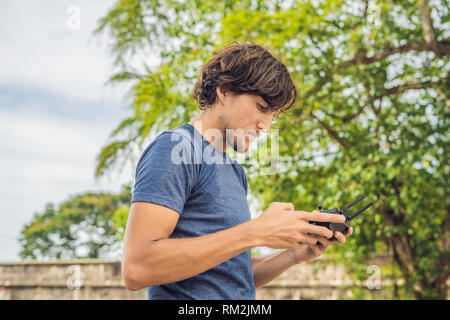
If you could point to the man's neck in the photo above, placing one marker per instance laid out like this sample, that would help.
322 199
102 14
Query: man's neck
206 120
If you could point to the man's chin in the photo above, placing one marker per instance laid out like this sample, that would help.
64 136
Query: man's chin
238 145
240 151
241 148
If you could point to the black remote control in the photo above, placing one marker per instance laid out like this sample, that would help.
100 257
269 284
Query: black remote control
341 227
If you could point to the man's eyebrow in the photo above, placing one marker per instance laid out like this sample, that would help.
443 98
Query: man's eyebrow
261 105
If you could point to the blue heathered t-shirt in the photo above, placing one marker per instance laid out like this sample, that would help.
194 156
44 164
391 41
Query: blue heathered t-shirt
181 170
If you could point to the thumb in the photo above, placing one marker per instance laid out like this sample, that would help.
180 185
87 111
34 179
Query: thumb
287 206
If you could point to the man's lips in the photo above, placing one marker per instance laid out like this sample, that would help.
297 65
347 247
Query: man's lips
251 137
253 134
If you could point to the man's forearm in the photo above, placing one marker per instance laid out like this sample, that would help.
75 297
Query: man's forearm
267 268
170 260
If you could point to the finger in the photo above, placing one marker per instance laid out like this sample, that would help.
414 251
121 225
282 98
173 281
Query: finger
317 250
324 242
309 240
319 230
288 206
340 237
322 247
321 216
349 232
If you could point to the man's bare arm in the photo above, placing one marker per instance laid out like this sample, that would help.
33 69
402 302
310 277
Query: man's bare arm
267 268
151 258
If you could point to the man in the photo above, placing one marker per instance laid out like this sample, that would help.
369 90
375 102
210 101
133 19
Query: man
189 232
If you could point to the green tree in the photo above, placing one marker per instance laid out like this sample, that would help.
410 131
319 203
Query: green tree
80 227
373 78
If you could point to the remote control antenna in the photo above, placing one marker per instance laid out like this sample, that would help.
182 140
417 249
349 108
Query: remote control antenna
350 217
353 203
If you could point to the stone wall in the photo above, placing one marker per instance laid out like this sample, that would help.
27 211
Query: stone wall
73 279
99 279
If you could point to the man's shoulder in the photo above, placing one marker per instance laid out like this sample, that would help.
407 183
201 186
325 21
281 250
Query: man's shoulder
183 133
177 143
180 135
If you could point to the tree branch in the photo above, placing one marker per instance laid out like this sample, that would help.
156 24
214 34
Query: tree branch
403 88
330 131
333 134
440 48
361 55
429 34
443 48
366 9
354 115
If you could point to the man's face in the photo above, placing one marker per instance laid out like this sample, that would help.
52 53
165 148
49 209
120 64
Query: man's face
243 119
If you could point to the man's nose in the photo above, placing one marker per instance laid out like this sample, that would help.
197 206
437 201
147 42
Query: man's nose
265 124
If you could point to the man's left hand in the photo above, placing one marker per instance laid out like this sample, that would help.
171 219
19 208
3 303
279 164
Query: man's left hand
308 252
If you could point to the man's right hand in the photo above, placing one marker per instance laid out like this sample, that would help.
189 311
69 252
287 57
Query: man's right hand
280 226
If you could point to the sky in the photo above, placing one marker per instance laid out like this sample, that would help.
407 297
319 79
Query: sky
56 111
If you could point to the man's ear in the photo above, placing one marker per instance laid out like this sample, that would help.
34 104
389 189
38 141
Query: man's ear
221 94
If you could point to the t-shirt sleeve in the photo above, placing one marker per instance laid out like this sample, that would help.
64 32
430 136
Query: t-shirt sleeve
243 177
165 173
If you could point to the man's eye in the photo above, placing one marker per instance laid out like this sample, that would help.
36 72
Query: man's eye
263 109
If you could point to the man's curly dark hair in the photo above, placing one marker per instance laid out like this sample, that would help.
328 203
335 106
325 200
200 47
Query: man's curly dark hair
245 68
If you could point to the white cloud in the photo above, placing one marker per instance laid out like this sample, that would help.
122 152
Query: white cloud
45 160
38 47
55 112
